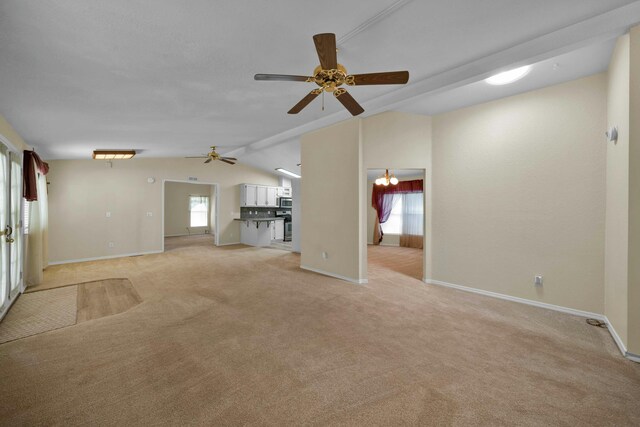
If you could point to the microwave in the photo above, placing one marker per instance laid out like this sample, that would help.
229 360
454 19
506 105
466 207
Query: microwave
285 202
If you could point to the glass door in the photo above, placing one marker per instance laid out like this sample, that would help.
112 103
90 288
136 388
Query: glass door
4 209
11 239
15 222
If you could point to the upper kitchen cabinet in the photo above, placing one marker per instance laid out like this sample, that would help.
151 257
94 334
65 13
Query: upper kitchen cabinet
252 195
248 195
284 191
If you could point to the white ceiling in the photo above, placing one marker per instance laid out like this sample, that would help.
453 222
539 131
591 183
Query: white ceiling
170 78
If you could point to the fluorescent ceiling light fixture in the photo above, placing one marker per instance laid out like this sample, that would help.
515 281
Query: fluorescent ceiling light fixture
113 154
286 172
510 76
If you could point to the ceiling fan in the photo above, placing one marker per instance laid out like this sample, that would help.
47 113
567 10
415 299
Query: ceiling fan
213 155
330 75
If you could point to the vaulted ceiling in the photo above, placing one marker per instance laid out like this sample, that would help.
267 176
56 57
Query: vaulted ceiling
170 78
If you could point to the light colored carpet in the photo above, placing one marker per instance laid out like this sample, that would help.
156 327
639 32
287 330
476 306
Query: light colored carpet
50 309
39 312
239 335
175 242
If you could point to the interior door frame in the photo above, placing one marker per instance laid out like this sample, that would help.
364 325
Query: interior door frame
21 285
216 212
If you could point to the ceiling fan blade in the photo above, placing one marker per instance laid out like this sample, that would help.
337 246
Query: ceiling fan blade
208 160
281 77
305 101
230 158
326 47
349 103
226 161
388 78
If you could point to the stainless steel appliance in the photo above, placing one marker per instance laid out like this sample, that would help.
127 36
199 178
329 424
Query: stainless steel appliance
286 202
286 215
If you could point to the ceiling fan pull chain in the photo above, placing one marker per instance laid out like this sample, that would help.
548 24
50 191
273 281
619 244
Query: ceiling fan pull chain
322 100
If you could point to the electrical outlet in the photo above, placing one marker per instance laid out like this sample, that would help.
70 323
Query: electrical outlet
538 280
111 244
325 255
108 214
149 213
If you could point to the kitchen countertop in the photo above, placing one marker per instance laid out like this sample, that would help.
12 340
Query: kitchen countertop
259 219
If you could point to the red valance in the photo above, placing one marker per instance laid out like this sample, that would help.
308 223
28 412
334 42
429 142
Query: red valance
415 186
30 163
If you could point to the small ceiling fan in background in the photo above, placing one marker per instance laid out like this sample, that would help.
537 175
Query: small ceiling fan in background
213 155
330 75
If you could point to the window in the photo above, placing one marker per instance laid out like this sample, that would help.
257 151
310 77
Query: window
199 211
406 215
25 215
393 225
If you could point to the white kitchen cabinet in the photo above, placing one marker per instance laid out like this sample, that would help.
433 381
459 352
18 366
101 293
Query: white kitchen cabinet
272 197
284 191
252 195
278 230
248 195
261 196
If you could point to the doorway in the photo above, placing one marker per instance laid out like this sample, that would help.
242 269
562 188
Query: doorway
189 214
11 232
396 226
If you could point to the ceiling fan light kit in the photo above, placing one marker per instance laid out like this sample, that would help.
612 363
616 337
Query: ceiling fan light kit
387 179
330 76
213 155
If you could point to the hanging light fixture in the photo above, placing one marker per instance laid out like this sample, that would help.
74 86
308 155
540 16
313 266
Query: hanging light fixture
387 179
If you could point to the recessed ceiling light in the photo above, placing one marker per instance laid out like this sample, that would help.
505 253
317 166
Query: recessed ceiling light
113 154
510 76
286 172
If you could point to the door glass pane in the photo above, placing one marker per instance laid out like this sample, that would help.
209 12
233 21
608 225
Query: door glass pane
16 223
4 190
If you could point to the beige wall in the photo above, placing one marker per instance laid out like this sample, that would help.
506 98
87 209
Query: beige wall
10 134
82 191
617 198
394 140
519 190
331 159
176 207
634 195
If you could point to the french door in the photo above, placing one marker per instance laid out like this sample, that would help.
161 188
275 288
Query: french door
11 236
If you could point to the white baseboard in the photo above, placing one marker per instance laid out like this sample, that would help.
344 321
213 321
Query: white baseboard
337 276
567 310
619 343
187 234
559 308
71 261
229 244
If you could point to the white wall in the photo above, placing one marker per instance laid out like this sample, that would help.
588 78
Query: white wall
296 214
177 217
617 192
634 194
395 140
82 191
519 190
331 158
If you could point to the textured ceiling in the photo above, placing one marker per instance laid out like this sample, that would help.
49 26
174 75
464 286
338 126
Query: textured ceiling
170 78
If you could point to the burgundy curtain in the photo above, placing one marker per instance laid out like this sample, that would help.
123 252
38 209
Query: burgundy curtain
382 200
31 163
